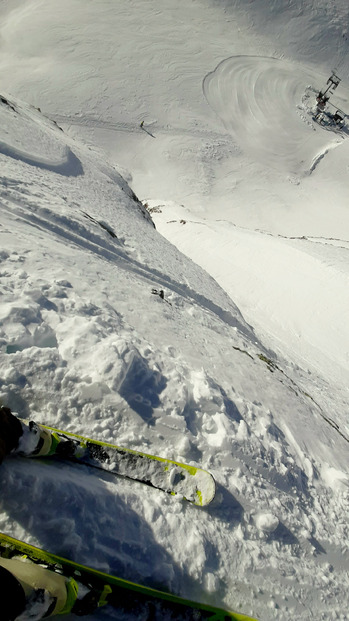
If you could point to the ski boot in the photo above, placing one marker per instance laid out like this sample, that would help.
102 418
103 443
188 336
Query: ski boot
37 441
28 590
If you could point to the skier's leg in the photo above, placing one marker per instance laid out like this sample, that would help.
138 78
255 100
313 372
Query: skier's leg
36 589
30 440
12 596
44 591
10 432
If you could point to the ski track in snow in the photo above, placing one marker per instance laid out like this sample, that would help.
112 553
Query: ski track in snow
144 381
85 345
259 101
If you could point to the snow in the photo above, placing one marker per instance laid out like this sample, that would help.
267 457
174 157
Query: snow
266 522
242 368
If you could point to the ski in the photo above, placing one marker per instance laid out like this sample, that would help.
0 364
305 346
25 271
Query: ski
193 484
133 600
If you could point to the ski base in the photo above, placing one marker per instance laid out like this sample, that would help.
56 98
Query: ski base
129 598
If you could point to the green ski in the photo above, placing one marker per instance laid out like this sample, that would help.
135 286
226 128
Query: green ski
131 599
194 484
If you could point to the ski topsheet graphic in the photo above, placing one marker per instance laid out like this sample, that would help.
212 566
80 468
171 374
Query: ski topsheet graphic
133 600
194 484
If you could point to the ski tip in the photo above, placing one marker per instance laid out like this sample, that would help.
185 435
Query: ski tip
206 489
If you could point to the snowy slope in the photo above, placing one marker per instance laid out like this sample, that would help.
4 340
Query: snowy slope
226 89
86 346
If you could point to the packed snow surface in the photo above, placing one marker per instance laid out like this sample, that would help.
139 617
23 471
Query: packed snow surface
241 367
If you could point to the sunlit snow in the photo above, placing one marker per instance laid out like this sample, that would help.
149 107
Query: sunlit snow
242 367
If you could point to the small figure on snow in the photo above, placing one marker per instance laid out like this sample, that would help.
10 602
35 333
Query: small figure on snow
146 130
160 293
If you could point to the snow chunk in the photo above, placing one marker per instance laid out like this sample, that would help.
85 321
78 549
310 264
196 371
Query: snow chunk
267 522
243 431
211 582
336 479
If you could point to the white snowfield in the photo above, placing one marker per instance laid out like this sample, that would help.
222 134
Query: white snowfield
243 367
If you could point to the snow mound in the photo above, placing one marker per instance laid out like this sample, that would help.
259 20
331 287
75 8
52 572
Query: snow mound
266 522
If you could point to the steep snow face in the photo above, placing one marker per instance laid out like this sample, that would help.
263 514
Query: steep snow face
85 343
87 346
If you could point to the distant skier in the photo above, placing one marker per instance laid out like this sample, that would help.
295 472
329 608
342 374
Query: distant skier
146 130
160 293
